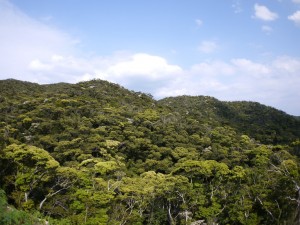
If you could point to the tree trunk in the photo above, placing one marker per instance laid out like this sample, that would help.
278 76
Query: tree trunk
86 214
42 203
171 220
26 196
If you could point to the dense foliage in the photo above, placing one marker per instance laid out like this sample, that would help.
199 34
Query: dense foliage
96 153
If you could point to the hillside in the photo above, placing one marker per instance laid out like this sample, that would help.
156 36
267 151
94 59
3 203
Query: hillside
266 124
97 153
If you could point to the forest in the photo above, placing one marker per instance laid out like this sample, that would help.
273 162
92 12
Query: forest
97 153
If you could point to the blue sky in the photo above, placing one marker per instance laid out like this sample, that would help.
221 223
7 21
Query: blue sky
229 49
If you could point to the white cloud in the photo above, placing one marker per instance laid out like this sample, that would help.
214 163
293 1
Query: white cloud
212 68
140 70
47 18
143 65
59 68
199 22
208 47
287 65
296 1
263 13
274 84
250 68
295 17
40 53
267 29
39 66
134 71
237 6
24 40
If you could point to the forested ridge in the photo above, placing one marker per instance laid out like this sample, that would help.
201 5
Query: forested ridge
97 153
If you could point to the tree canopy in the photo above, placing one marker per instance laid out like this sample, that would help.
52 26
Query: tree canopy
96 153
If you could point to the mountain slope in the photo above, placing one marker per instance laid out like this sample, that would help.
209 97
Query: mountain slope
261 122
97 89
